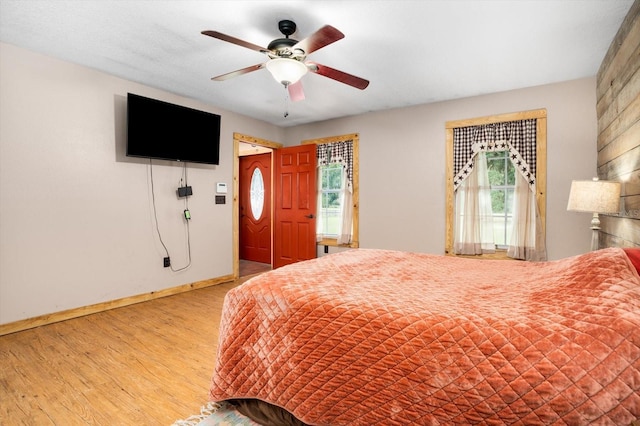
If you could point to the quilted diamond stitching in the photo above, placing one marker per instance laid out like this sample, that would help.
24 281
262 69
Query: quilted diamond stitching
380 356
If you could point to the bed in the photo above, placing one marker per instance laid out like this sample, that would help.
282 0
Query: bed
379 337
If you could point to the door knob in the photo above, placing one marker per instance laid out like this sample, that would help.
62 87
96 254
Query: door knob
309 216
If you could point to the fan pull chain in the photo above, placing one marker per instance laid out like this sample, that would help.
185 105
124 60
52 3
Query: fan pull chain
286 101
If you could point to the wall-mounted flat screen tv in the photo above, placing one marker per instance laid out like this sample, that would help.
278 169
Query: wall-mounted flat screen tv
165 131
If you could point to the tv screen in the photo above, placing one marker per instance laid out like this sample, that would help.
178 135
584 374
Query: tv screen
161 130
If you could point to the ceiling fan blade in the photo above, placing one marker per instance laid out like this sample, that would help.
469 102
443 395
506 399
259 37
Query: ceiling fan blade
230 39
341 76
321 38
238 72
296 93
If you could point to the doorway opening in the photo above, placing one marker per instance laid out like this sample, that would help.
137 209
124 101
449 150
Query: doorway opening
252 205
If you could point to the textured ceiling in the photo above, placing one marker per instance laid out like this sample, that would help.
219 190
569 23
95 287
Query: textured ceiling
412 52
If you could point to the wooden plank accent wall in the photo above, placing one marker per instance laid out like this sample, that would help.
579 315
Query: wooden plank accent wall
618 108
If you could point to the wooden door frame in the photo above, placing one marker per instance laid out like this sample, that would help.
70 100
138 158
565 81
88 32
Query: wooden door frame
237 139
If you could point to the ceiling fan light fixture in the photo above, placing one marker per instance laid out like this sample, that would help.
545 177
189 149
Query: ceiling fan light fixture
286 71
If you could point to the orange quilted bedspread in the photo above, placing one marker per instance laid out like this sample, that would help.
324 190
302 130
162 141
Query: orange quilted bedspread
374 337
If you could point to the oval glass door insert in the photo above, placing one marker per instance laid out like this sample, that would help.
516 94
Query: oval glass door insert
257 193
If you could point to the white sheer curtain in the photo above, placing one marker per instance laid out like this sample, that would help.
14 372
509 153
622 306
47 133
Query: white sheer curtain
527 239
474 217
319 210
346 197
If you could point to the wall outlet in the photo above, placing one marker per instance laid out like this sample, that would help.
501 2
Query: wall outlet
167 262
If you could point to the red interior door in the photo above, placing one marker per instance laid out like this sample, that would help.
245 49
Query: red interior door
255 217
295 205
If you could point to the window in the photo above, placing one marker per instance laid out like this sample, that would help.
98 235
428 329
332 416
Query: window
256 194
502 180
338 192
496 186
331 186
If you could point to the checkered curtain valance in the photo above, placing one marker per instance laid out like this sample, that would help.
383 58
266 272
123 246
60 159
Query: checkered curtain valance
337 152
518 137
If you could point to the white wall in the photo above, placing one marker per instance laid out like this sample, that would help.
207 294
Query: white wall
402 164
76 225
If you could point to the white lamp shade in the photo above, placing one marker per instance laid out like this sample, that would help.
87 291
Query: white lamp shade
594 196
286 70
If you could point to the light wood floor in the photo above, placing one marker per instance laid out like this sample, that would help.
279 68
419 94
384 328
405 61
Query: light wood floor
247 267
144 364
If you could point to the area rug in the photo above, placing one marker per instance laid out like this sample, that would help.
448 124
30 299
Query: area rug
216 414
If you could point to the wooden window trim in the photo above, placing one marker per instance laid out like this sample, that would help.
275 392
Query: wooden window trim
541 170
355 240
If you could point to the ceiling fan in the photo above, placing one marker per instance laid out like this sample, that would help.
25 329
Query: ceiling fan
287 58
